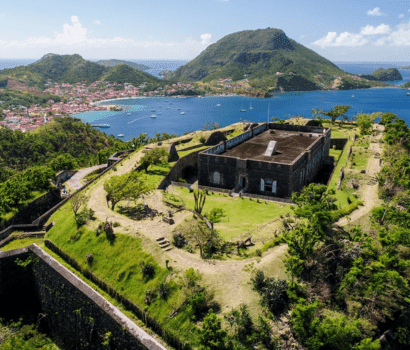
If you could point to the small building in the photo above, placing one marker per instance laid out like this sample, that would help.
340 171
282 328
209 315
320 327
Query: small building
270 159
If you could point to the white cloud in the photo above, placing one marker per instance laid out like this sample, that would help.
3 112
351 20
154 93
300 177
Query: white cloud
74 38
343 39
375 12
97 21
401 15
399 37
206 39
380 29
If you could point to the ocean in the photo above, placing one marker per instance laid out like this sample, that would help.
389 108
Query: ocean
136 116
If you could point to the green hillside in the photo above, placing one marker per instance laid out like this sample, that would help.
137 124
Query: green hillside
125 74
71 69
258 54
113 63
390 74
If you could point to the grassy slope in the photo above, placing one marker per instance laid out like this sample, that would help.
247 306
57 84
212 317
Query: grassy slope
119 265
239 212
113 63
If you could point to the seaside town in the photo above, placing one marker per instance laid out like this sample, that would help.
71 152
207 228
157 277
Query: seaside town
79 98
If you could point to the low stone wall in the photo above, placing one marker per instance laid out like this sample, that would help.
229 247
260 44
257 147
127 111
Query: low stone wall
338 142
74 315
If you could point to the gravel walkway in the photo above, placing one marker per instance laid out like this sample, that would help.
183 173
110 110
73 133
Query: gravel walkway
75 183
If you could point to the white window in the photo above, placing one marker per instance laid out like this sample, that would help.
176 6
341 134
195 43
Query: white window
270 186
217 178
262 185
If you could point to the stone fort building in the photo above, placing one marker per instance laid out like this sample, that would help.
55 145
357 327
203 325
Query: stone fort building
270 160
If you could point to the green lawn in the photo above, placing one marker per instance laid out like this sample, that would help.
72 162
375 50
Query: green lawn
119 264
341 131
184 153
241 214
23 242
156 173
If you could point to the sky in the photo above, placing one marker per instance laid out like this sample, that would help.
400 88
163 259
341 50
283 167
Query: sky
347 30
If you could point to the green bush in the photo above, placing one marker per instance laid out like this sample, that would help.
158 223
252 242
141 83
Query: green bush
148 270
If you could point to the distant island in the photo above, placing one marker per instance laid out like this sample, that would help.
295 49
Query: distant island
405 67
113 63
390 74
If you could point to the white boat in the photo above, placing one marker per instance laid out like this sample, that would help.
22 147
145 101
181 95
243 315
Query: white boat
352 95
128 113
243 110
170 103
250 107
218 104
153 116
178 109
120 135
159 106
182 112
159 113
167 107
153 110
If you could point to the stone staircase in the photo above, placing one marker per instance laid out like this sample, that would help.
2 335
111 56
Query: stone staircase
39 234
164 244
372 181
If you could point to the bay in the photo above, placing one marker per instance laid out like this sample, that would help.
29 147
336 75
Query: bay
226 110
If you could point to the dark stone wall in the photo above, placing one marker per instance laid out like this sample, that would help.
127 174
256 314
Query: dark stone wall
288 176
76 316
34 209
338 142
215 138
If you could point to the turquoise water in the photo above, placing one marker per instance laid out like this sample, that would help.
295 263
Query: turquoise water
199 111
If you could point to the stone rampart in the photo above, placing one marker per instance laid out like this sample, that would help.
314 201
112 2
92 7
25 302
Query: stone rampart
74 315
338 142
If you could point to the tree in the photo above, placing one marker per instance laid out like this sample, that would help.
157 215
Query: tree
337 112
212 336
77 201
154 156
365 122
216 125
122 187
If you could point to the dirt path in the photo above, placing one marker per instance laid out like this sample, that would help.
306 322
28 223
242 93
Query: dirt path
369 193
229 279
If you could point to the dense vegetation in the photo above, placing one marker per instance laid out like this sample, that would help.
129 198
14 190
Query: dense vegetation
123 73
113 62
71 69
16 336
29 160
15 98
389 74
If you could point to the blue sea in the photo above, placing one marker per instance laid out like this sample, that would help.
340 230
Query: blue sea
226 110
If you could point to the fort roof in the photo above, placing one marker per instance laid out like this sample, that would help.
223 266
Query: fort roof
289 145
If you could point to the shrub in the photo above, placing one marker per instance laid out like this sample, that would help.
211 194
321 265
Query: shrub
89 258
198 304
178 240
216 214
116 224
258 252
163 290
202 139
149 296
258 280
274 295
212 336
147 269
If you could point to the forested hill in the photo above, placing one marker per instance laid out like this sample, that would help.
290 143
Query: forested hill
113 63
256 53
125 74
63 68
64 136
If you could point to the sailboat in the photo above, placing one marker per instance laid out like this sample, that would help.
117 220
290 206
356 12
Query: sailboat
250 106
153 116
120 135
243 110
